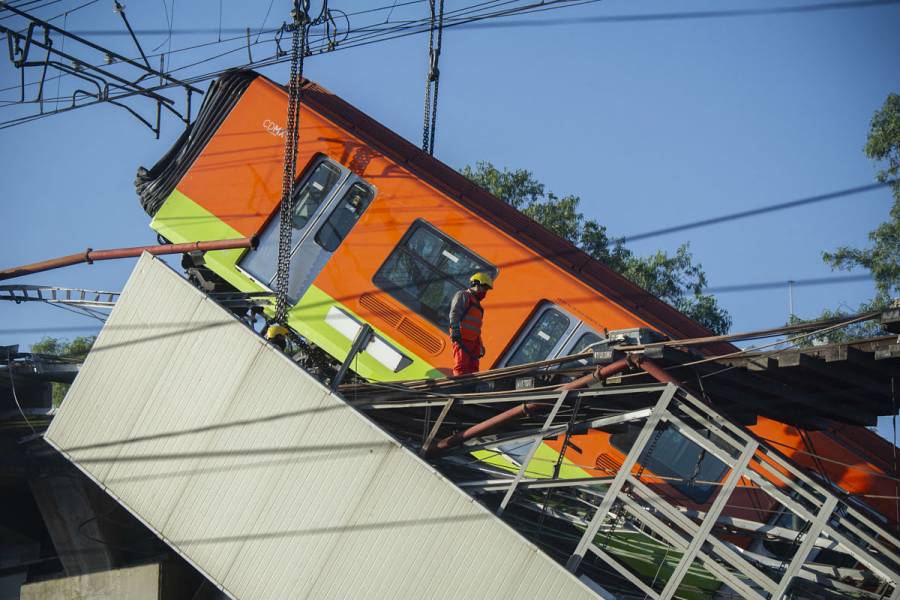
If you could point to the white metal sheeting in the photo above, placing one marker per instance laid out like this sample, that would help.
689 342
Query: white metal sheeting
269 484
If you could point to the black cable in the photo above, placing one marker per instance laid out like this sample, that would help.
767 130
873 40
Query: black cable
97 517
769 285
22 5
462 15
266 18
12 383
387 19
171 26
758 211
634 18
694 15
266 62
169 23
387 35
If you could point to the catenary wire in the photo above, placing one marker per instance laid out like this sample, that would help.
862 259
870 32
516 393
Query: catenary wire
517 10
467 12
759 211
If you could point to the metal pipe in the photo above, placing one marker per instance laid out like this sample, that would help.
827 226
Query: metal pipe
90 256
655 371
528 408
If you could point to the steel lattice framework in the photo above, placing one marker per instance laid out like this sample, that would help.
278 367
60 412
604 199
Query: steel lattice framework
625 503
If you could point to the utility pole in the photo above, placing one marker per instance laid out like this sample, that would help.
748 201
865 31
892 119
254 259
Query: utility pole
790 298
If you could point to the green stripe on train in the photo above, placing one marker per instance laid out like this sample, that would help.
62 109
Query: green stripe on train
541 466
181 220
308 318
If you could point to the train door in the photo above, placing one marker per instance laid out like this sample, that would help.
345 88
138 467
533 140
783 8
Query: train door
551 332
327 204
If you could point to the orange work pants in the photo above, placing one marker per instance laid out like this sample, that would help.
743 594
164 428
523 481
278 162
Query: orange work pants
465 357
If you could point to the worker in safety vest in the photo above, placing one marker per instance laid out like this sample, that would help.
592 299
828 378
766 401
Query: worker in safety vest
466 315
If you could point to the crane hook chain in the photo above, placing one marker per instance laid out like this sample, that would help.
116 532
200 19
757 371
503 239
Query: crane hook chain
298 51
432 81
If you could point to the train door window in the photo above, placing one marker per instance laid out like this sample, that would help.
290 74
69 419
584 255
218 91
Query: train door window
337 218
586 339
313 193
309 197
689 469
547 330
344 216
426 269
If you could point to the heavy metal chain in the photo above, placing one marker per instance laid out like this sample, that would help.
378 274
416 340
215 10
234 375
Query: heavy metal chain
570 429
298 51
433 80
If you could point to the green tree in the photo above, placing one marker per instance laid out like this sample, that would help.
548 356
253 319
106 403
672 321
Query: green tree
882 257
674 279
75 349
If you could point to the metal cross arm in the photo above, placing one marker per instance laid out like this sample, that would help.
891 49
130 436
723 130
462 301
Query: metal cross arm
22 61
120 58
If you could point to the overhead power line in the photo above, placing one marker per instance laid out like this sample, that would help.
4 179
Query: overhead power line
327 43
757 211
772 285
23 51
477 14
627 18
687 15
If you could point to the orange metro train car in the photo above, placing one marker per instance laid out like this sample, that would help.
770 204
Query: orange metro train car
384 234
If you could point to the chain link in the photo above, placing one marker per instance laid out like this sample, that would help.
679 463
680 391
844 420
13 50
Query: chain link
426 121
429 118
291 136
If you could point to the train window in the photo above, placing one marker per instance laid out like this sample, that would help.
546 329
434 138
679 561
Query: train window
426 269
588 339
344 216
675 456
543 336
311 195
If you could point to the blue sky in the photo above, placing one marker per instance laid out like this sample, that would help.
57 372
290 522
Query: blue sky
652 122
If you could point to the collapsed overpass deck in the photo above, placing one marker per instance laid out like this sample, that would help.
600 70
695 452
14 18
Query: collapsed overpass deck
269 484
274 487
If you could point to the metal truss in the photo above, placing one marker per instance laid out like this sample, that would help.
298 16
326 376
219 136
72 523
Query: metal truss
633 502
92 65
90 303
58 295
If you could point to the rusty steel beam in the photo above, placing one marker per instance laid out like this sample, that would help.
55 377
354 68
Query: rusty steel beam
90 256
533 408
527 408
657 372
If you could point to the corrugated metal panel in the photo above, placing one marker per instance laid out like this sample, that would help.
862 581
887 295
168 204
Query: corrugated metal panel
271 485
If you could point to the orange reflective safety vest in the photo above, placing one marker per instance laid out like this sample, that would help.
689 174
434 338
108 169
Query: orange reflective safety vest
470 323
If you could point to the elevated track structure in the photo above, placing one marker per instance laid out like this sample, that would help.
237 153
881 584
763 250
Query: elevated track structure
271 484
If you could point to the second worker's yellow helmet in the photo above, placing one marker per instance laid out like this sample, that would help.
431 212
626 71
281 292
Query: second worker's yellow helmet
484 279
275 330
